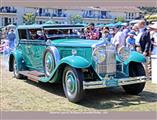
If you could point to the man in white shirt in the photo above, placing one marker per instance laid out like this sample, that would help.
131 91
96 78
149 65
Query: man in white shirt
119 39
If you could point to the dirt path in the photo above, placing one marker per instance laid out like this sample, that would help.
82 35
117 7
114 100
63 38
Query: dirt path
24 95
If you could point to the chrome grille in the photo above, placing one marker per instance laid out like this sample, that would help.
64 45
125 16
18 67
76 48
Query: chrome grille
109 65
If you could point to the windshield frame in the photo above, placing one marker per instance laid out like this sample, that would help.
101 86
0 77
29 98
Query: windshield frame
80 28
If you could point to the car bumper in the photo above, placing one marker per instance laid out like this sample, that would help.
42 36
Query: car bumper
114 82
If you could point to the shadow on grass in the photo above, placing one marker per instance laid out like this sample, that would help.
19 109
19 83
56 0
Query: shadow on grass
116 98
107 98
55 88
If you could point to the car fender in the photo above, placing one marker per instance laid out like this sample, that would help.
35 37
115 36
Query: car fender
75 61
17 55
135 57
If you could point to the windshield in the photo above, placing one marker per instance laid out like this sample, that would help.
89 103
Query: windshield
62 33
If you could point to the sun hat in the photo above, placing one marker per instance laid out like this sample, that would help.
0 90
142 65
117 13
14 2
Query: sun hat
132 33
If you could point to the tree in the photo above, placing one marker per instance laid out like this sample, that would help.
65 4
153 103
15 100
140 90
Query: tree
148 10
120 19
29 18
75 19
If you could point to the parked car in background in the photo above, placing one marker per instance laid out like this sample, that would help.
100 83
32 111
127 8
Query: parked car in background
58 53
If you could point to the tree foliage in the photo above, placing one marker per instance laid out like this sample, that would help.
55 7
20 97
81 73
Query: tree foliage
120 19
29 18
148 10
75 19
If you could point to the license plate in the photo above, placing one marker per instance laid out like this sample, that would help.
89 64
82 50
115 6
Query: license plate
111 83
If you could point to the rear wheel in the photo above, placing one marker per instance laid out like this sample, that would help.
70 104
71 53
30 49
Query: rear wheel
135 69
15 70
73 84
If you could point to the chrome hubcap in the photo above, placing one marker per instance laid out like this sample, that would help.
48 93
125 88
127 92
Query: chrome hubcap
71 83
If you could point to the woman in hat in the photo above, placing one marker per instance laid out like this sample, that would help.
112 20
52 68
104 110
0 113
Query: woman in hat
154 38
130 40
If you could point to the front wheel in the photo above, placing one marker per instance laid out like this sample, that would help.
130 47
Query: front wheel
73 84
135 69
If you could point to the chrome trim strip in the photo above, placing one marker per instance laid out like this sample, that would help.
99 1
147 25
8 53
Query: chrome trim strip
127 81
123 81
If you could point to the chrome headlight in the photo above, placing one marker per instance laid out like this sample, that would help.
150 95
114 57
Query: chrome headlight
123 53
99 54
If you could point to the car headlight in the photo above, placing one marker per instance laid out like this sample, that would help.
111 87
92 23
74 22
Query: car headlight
99 54
123 53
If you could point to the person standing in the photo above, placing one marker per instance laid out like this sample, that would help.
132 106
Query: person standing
92 33
119 39
106 36
126 29
154 38
143 38
137 44
11 37
130 40
135 28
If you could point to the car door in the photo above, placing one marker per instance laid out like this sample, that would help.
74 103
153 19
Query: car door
24 46
37 48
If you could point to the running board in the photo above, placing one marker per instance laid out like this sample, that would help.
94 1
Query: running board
32 75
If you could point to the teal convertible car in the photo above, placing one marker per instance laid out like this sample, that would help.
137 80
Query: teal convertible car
59 53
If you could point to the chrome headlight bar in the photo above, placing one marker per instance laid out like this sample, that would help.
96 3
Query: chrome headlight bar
123 53
99 54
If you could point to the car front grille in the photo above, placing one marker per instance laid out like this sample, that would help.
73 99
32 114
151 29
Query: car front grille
109 65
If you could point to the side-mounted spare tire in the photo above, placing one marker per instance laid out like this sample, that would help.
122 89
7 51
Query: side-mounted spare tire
135 69
50 60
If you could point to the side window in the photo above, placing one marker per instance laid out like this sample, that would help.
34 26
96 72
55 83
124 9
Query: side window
35 34
22 34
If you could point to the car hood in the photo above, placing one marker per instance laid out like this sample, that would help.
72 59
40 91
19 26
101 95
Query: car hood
74 42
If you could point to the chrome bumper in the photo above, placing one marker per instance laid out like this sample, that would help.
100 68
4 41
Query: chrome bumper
114 82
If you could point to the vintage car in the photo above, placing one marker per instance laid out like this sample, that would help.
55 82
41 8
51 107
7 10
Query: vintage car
59 53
